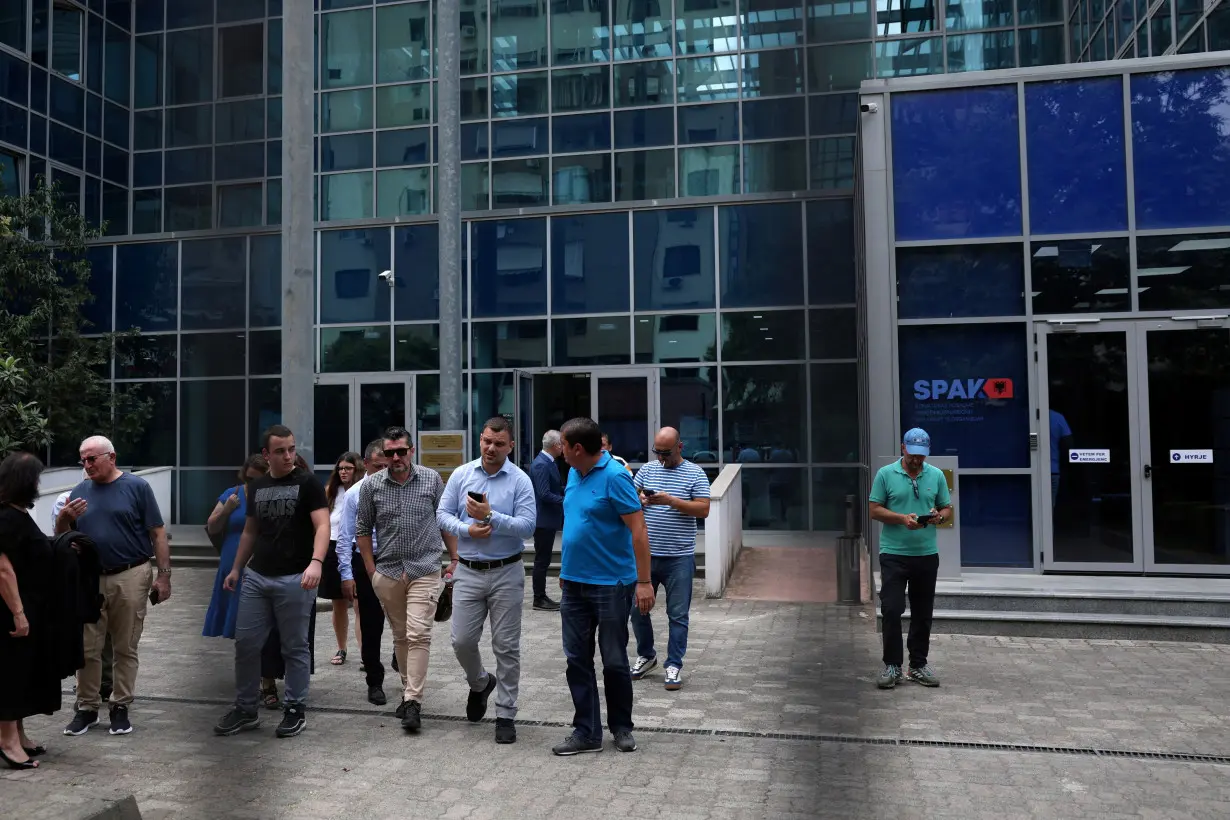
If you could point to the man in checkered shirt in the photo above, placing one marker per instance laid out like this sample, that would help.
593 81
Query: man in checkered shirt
400 503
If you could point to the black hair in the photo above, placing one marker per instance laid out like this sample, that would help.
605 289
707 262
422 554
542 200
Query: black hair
374 446
498 424
585 432
394 433
276 430
19 474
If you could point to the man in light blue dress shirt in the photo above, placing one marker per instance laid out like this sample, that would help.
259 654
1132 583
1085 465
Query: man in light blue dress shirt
490 578
358 585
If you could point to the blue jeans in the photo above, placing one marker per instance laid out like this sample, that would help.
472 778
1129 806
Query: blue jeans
675 573
264 603
586 609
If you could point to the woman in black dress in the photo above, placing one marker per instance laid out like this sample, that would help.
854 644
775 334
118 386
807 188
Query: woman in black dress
28 684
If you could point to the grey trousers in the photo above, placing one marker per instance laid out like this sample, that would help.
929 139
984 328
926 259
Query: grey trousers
266 602
499 593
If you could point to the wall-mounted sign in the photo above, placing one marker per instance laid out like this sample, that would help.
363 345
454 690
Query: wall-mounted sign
1191 456
443 452
1089 456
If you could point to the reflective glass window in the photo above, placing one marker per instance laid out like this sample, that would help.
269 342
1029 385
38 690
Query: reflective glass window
115 163
1077 161
66 145
589 263
68 106
189 165
475 186
944 371
966 15
673 260
190 125
518 34
580 89
97 312
642 30
1179 124
771 23
837 20
675 337
403 51
518 137
833 333
146 286
149 15
1042 46
581 178
644 175
146 130
838 68
148 356
409 146
763 335
352 110
241 206
350 264
474 96
188 208
265 281
14 78
13 125
185 13
1081 276
345 153
773 73
687 399
67 32
707 27
1185 272
761 254
273 202
273 157
509 344
116 55
834 413
832 114
473 37
830 486
643 83
354 349
765 410
190 66
516 95
709 170
13 25
832 164
403 192
956 164
241 60
231 11
777 498
416 283
709 123
475 140
580 31
146 211
398 105
240 121
774 166
246 161
213 354
910 58
976 280
520 183
273 84
346 49
93 115
703 79
997 513
982 52
906 16
1043 11
509 269
644 127
157 437
582 132
416 347
264 407
591 341
95 55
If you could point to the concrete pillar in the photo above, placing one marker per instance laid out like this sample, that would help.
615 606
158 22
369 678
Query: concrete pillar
448 207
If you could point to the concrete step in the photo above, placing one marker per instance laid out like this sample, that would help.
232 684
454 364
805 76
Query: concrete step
1052 624
1108 603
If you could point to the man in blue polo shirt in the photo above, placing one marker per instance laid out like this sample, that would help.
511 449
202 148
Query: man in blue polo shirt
910 498
605 567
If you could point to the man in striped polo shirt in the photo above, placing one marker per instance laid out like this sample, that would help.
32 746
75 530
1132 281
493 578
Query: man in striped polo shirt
674 493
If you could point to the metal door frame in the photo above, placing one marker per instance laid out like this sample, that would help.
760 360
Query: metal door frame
653 411
354 381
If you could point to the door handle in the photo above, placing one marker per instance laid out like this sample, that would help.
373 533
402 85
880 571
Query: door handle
1148 471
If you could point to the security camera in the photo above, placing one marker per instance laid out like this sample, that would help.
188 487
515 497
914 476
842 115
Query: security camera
869 107
387 276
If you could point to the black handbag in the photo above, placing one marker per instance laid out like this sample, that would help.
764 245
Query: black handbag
217 539
444 607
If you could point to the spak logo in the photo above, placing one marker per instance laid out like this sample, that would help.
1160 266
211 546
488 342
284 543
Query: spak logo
962 389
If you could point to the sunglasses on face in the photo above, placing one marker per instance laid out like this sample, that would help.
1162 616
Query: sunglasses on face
89 460
664 453
396 451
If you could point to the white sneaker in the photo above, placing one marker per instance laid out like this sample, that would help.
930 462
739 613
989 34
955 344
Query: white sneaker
674 678
643 666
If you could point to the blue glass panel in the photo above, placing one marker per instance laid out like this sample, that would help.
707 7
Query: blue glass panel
1179 124
98 311
14 79
190 208
509 269
230 11
273 158
190 66
949 372
149 15
115 125
115 165
38 136
68 103
214 278
147 169
956 164
416 291
93 115
761 254
93 156
644 127
92 202
410 146
94 54
584 132
244 161
67 146
474 142
38 90
13 126
833 114
346 153
265 282
709 123
830 252
116 85
968 280
146 130
769 119
589 263
146 287
115 209
120 12
996 521
189 165
185 13
520 138
673 252
146 211
350 264
1077 166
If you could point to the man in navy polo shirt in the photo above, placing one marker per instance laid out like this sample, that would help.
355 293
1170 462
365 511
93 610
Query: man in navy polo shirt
605 569
910 498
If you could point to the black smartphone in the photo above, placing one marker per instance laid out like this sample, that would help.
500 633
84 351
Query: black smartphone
153 597
476 496
648 491
929 519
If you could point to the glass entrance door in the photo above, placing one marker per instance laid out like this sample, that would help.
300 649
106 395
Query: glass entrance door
353 409
625 405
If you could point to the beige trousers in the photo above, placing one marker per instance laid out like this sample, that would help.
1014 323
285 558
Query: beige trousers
125 598
410 606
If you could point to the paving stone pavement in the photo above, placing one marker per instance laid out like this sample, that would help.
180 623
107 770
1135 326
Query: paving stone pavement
768 685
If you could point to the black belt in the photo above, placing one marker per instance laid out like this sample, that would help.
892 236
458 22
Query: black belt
125 567
483 565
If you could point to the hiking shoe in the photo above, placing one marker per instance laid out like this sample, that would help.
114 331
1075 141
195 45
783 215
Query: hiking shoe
293 722
924 675
545 604
643 666
625 742
476 702
81 722
236 721
505 730
890 677
376 696
412 717
574 745
120 724
674 678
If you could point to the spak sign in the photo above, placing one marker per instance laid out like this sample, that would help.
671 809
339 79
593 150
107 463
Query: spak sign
994 389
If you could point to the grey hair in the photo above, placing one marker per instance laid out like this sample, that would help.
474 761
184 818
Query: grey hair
550 439
98 441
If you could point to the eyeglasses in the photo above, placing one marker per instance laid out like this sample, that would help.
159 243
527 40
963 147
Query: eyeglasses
396 451
664 453
89 460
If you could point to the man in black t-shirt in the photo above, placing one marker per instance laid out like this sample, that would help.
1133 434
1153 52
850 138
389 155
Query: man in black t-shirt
286 535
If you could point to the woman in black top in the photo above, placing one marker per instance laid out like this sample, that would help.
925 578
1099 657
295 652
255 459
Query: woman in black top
28 684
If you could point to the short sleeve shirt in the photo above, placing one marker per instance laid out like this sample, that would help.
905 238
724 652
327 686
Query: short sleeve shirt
597 545
118 518
894 488
671 533
283 510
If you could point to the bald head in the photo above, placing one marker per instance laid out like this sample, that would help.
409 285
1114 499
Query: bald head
667 447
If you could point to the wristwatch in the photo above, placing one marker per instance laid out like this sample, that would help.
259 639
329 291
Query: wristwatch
487 521
162 571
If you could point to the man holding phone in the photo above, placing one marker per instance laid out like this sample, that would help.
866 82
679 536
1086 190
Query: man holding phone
910 498
489 506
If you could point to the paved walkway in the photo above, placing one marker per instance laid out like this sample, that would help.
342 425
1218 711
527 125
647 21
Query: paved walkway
779 718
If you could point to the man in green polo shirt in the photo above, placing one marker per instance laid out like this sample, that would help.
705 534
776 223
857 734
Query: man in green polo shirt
909 497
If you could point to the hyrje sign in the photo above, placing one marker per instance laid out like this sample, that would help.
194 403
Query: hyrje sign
1191 456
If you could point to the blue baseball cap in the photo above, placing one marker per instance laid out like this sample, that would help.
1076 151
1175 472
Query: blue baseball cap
917 442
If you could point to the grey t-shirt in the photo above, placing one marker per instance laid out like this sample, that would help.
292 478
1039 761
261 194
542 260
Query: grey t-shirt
118 519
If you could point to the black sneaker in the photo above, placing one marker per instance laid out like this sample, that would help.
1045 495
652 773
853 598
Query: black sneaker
574 745
81 722
625 742
104 694
642 666
400 711
505 730
293 722
120 725
375 696
476 703
236 721
412 717
545 604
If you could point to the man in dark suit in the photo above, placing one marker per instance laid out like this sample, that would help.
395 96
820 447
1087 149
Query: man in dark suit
549 495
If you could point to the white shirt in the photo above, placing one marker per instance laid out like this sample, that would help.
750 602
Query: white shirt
335 514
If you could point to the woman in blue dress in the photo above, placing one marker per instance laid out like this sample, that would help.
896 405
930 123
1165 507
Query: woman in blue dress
228 517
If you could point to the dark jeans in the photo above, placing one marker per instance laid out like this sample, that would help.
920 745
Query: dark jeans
273 666
675 573
371 623
917 572
544 543
586 610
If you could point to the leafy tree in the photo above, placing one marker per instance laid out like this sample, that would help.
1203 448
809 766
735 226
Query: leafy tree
54 387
